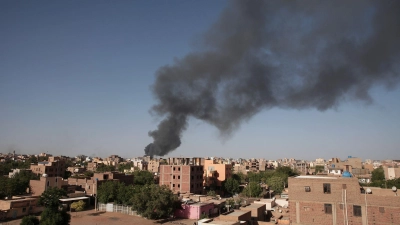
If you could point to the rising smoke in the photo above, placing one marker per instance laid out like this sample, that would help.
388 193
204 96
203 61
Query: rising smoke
287 54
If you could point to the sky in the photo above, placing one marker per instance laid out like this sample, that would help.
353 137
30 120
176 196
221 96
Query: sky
76 78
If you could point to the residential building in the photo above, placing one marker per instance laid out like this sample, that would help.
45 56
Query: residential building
340 200
54 167
19 206
215 173
37 187
182 178
391 172
194 210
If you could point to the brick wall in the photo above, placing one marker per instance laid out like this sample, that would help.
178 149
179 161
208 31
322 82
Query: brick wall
182 178
308 207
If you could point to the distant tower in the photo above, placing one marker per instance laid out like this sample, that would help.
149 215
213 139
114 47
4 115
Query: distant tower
14 155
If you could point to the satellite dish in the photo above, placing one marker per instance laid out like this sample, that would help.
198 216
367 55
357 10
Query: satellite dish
369 191
394 188
44 175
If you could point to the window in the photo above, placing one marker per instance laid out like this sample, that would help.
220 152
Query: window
23 209
174 177
191 186
179 177
307 188
179 169
328 208
174 168
341 206
173 185
327 188
179 185
344 186
191 177
381 209
356 210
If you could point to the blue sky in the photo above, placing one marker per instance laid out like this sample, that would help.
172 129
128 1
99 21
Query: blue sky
75 78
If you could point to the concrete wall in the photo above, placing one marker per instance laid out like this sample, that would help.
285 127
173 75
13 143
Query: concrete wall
380 207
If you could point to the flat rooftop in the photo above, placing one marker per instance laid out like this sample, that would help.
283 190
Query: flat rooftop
316 177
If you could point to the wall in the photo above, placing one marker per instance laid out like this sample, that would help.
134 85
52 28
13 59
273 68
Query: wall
308 207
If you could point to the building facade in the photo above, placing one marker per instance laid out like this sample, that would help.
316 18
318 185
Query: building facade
182 178
340 200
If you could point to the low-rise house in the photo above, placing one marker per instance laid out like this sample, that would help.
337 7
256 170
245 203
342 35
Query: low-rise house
235 215
37 187
192 210
217 222
257 211
19 206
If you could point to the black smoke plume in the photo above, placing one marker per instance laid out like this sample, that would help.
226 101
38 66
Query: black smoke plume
287 54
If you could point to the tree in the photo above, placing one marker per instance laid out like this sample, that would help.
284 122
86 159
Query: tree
319 168
240 177
211 193
50 197
53 212
30 220
230 203
378 174
143 177
50 217
276 183
253 189
78 206
231 185
154 201
107 191
125 166
286 170
88 173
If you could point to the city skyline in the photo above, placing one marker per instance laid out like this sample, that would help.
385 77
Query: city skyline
76 78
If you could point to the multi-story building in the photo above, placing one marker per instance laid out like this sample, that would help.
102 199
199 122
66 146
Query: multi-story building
391 172
182 178
215 174
55 167
340 200
37 187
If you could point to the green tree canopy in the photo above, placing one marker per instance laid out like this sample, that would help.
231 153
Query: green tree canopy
154 201
50 198
53 212
378 174
319 168
51 216
231 185
253 189
78 206
276 183
107 191
29 220
211 193
286 170
143 177
125 166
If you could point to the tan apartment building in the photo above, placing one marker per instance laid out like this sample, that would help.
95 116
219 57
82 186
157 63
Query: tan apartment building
55 167
37 187
391 172
182 178
340 200
19 206
215 174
